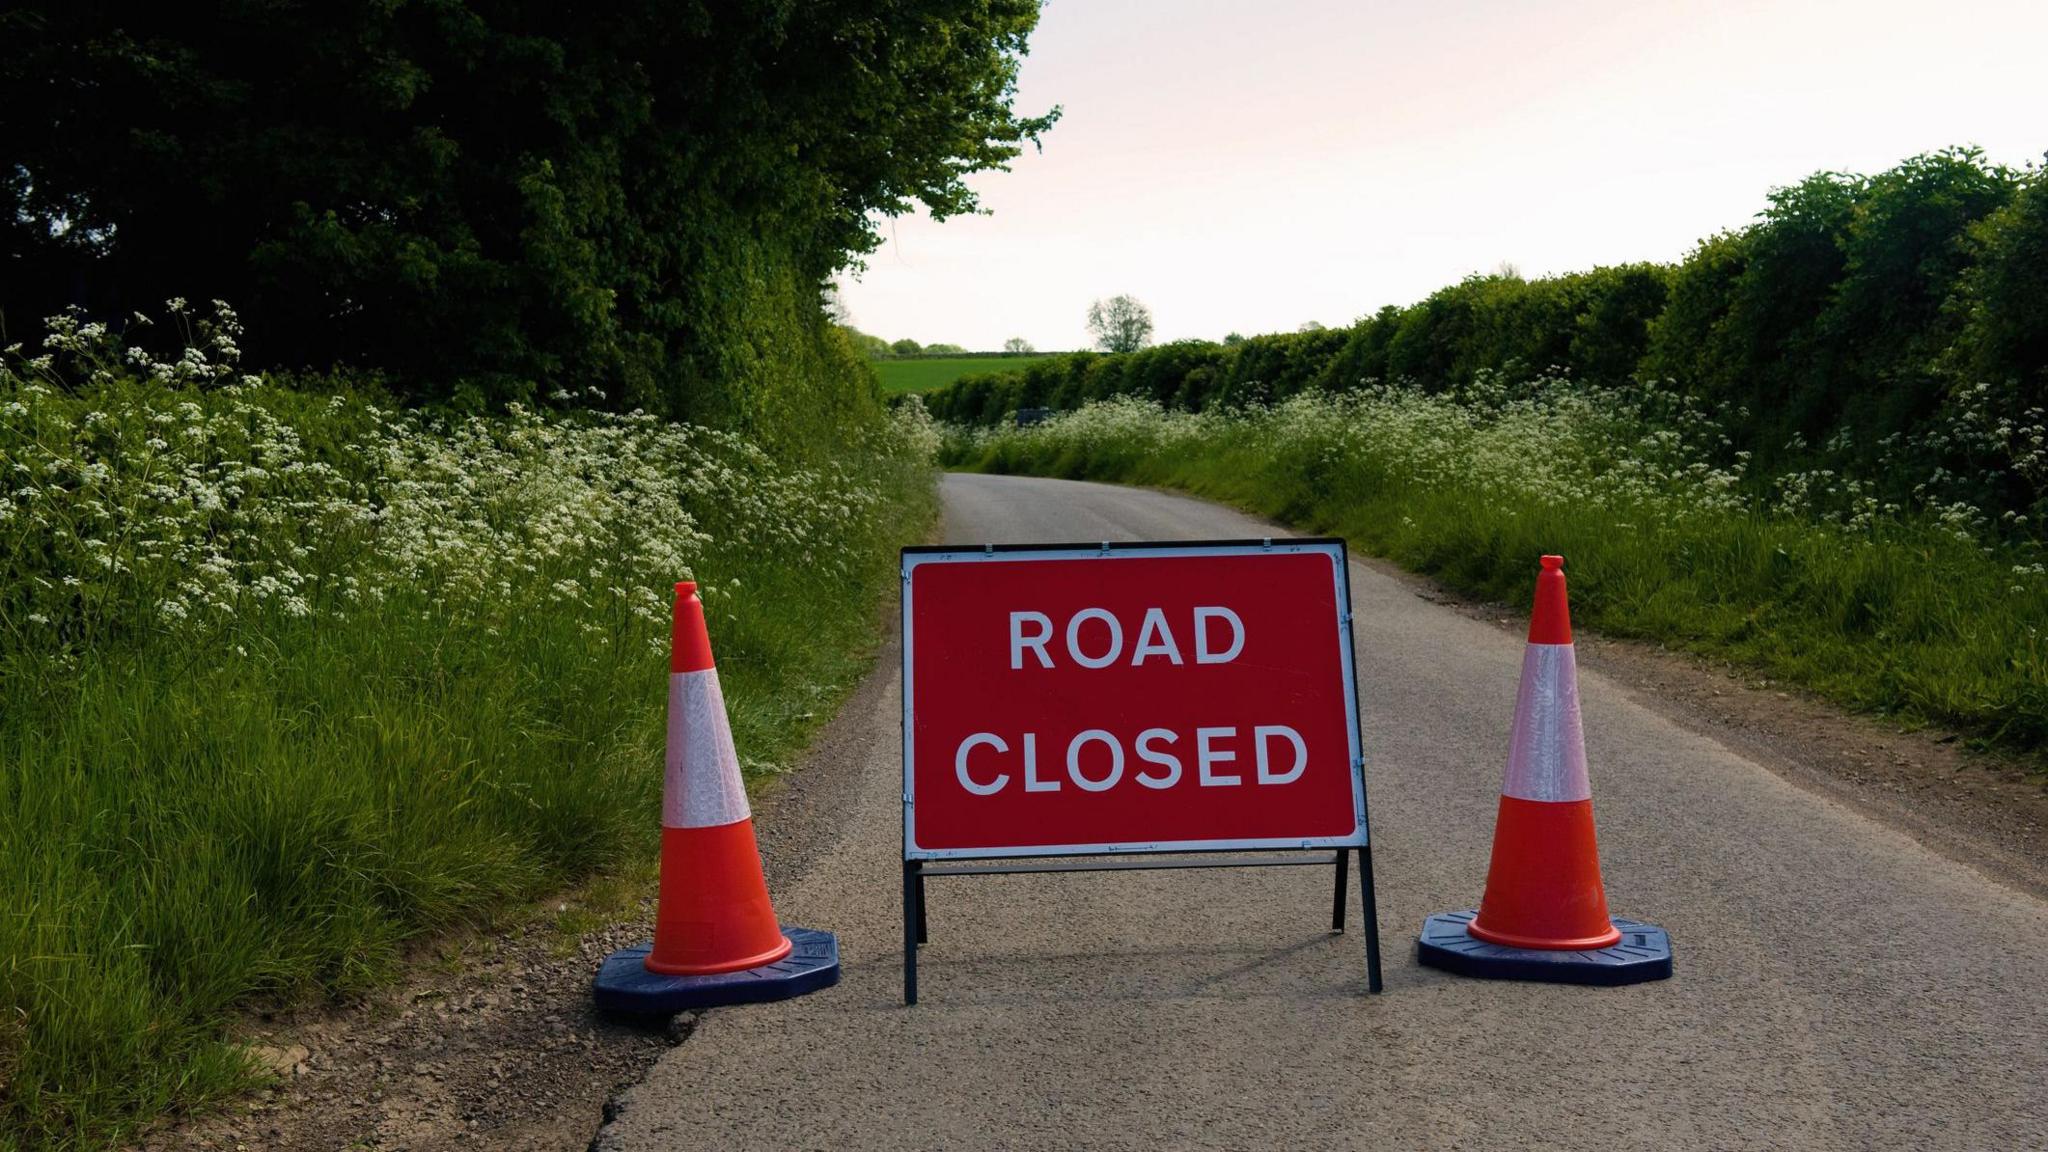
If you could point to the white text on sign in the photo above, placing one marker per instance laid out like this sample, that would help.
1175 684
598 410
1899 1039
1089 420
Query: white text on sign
1033 632
1094 638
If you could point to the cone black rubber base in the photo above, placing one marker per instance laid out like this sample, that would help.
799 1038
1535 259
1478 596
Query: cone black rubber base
625 987
1642 953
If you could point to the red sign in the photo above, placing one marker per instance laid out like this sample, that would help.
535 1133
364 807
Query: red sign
1095 699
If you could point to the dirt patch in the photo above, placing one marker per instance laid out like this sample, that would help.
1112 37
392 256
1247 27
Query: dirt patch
494 1043
498 1049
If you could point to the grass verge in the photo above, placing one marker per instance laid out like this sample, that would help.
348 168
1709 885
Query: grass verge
1915 616
290 682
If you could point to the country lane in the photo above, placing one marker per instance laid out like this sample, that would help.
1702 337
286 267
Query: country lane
1837 986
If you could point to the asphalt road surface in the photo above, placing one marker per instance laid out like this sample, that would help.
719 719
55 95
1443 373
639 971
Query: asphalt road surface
1838 986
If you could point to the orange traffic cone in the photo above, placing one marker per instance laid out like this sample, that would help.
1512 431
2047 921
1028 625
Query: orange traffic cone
1543 889
714 914
1544 915
716 939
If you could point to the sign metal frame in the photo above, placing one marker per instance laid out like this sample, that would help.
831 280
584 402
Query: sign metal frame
920 863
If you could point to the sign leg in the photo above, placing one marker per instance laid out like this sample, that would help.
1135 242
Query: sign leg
1337 901
1372 920
913 926
923 922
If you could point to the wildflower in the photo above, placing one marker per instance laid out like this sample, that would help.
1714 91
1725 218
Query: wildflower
211 507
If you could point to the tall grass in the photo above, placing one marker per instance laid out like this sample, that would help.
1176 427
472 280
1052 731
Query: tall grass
1913 612
288 680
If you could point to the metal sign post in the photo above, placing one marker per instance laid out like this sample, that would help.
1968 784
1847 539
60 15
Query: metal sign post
1130 700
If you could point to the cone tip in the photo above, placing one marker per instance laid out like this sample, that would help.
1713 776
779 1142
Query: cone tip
1551 620
689 645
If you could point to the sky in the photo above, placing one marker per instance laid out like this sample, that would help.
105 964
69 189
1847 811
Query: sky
1253 166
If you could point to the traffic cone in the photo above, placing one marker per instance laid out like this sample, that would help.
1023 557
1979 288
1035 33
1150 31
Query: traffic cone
1544 914
716 939
1543 889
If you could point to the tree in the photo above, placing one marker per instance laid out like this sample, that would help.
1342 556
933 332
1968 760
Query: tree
906 347
943 349
1234 339
1120 324
865 344
1017 345
1312 326
2004 299
475 196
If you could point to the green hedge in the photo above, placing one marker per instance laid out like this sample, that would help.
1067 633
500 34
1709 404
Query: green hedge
1906 614
472 199
1594 325
1852 325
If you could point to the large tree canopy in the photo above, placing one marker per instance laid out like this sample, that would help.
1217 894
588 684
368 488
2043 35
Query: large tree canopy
478 194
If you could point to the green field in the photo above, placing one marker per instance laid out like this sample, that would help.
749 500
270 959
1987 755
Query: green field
922 374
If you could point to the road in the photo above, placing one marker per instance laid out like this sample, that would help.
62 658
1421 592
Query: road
1838 985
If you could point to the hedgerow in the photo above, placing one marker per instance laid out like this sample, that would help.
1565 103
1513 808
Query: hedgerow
1920 612
475 199
1854 326
293 676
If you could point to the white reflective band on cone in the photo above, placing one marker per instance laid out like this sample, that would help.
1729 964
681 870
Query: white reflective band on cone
702 788
1547 753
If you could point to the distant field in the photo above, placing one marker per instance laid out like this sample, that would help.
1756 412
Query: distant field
923 375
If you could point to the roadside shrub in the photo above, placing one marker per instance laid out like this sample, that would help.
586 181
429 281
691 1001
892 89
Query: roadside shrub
1916 611
1851 328
2003 299
292 678
474 198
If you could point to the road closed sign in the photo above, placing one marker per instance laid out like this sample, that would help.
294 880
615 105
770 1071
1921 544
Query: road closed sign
1065 700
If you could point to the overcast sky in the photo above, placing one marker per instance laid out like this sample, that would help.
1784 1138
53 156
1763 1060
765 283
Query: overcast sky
1250 166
